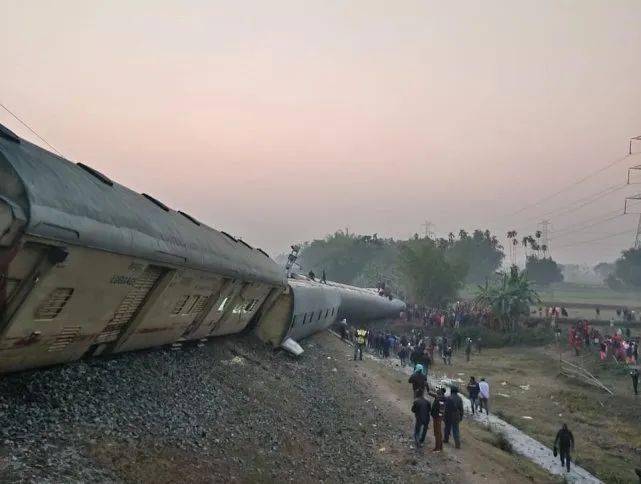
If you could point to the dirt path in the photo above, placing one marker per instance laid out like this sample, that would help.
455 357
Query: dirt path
478 461
521 442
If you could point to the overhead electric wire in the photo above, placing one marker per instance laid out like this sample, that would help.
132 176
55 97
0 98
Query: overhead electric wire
573 230
566 187
583 202
30 129
582 242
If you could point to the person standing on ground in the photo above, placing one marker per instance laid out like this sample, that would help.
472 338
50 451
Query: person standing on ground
479 344
564 442
453 416
437 412
484 396
418 380
634 373
361 335
473 393
468 349
421 409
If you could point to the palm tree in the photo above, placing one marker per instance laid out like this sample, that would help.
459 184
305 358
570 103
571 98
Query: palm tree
509 299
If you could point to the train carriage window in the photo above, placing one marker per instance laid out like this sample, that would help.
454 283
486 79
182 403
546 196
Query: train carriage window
180 304
238 308
200 304
332 311
320 314
54 303
304 318
251 305
223 303
326 313
294 320
190 307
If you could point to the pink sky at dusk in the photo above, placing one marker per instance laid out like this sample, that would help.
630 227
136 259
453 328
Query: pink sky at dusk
283 121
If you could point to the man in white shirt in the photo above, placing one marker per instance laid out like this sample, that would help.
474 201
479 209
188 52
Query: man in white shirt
484 395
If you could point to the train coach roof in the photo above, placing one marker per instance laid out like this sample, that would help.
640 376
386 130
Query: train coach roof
77 205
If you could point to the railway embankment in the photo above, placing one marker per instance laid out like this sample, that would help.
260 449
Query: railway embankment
231 410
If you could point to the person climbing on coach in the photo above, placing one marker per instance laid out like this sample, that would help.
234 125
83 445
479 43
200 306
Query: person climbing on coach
418 380
564 442
361 335
421 409
453 416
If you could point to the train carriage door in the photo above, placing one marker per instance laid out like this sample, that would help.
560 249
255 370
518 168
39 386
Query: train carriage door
31 263
129 306
224 304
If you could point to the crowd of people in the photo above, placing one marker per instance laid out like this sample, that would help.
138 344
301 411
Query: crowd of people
459 314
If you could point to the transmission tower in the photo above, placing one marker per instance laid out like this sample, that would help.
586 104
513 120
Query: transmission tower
428 229
637 236
636 138
544 227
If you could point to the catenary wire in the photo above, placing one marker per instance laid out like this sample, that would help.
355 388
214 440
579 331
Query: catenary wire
30 129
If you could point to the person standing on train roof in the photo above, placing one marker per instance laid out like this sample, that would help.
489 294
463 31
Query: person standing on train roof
323 277
359 343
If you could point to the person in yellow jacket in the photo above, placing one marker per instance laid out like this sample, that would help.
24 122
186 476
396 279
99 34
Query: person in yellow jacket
359 343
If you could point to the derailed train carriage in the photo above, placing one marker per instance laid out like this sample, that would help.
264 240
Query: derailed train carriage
90 267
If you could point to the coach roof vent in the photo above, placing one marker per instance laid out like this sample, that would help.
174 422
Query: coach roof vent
231 237
156 202
8 134
97 174
189 217
245 244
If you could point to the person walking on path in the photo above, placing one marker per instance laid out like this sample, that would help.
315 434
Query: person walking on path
634 373
453 416
564 442
418 380
484 396
437 412
361 335
421 409
473 393
468 349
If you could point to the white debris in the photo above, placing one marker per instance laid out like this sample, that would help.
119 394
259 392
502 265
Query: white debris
503 395
524 387
236 360
526 417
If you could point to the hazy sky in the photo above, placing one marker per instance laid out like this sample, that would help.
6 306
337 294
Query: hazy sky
281 121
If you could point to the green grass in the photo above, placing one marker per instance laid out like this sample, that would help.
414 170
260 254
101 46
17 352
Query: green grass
571 293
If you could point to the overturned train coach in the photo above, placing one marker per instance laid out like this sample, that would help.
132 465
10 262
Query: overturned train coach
90 267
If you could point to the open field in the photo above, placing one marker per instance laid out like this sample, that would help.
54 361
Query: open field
527 391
